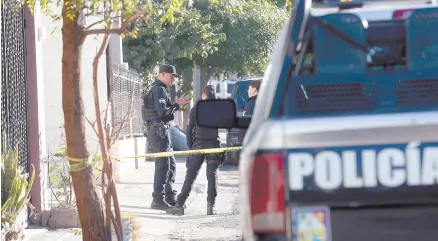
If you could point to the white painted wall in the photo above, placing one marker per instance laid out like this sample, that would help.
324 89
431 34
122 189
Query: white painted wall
52 67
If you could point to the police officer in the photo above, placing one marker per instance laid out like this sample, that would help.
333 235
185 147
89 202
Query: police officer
158 111
253 91
200 138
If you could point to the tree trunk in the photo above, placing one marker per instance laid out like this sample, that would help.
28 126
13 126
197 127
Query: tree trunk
185 120
88 202
203 78
206 74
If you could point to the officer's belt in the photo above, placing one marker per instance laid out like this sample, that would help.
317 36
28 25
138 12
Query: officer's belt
156 123
204 139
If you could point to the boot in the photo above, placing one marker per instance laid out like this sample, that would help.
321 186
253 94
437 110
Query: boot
210 209
160 204
170 198
178 210
171 201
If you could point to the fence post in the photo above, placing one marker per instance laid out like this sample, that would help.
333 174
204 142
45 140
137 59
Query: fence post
136 152
131 135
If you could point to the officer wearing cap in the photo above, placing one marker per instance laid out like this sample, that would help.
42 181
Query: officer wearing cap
159 110
200 138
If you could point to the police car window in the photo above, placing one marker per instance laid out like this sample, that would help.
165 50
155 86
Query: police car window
385 46
344 79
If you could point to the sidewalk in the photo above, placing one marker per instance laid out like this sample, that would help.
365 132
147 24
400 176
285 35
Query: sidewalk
135 197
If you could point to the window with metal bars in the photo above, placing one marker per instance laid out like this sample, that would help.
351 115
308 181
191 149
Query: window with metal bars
14 119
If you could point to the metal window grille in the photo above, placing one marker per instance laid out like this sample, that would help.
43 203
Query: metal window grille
126 95
14 121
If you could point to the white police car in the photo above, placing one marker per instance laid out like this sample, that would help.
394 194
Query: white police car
343 143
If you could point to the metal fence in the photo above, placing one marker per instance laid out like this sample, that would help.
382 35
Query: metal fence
14 124
126 96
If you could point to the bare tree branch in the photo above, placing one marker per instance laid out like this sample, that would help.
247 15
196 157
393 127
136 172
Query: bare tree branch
92 125
101 21
110 194
122 29
111 91
107 197
116 226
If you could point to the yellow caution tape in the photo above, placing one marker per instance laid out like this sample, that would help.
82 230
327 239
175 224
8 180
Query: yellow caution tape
79 166
80 163
188 152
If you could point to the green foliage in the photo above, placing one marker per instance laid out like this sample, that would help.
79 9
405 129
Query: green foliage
15 191
77 232
251 35
160 40
283 3
104 9
225 37
131 13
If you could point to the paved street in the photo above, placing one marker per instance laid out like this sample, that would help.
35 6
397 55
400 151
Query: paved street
135 198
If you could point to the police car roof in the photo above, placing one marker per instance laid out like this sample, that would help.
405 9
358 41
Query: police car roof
371 9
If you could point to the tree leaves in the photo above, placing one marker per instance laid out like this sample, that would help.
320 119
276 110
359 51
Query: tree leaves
230 36
178 37
250 38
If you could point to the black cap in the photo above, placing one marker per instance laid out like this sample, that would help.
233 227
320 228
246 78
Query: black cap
167 68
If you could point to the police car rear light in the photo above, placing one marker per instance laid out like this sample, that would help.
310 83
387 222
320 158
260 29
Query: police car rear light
402 14
267 194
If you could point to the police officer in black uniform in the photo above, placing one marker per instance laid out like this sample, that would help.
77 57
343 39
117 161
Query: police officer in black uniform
158 111
200 138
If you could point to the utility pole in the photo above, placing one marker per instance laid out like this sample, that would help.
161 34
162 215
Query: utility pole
178 115
115 44
196 84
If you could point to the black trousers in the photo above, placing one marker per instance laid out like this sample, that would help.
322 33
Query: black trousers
194 164
159 140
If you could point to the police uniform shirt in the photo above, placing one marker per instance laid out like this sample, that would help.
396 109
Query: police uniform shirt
159 106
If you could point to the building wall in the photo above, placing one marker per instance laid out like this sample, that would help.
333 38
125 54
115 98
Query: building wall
52 70
36 117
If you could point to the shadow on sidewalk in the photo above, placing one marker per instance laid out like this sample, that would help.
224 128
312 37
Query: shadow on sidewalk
178 159
164 216
228 168
142 183
228 185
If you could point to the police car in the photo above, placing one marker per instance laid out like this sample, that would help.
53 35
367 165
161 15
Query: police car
343 143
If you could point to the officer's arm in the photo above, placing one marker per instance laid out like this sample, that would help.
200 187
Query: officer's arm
164 109
190 127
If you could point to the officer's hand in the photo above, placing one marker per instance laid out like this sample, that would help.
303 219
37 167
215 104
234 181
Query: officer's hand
181 100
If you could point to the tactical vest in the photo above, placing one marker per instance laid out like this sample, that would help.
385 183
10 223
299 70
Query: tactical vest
149 111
